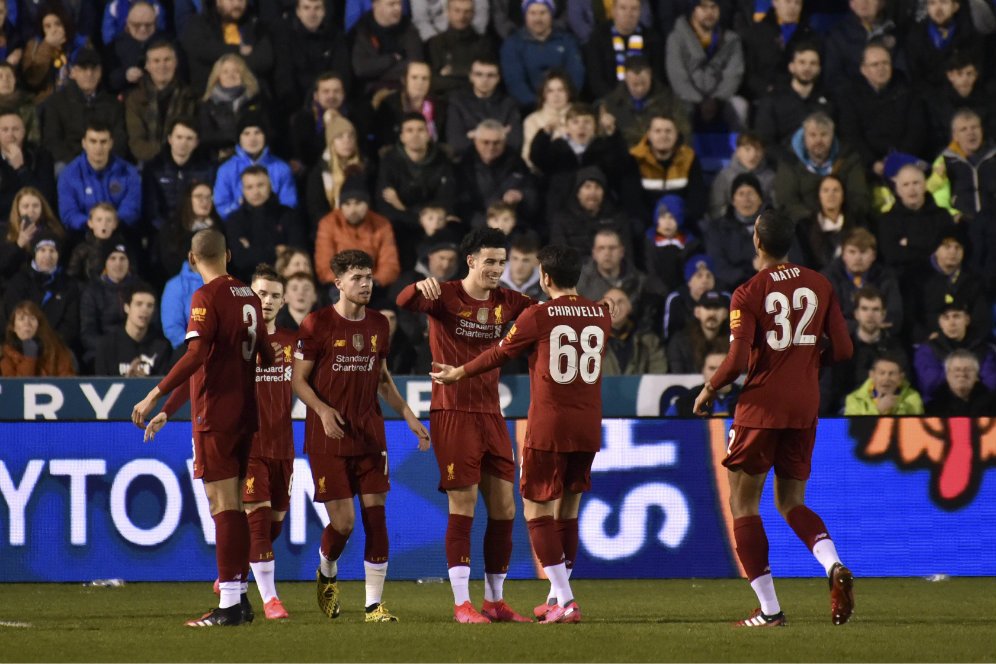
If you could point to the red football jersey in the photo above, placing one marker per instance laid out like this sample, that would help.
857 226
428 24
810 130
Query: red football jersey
460 329
274 396
783 313
226 315
565 371
348 355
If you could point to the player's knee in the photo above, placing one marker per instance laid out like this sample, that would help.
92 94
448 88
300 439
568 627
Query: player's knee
786 504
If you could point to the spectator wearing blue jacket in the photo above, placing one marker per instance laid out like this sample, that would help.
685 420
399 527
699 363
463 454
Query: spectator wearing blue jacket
175 308
116 17
536 48
251 151
97 176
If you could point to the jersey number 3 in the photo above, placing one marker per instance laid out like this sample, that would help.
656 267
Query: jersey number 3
249 318
588 364
776 303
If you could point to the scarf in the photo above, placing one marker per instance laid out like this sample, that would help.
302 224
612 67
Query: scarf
830 225
940 36
761 8
787 30
236 96
625 47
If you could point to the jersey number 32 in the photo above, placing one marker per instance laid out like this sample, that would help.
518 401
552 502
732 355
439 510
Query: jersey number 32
803 299
566 362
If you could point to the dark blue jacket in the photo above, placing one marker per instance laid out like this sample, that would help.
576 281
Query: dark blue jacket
525 61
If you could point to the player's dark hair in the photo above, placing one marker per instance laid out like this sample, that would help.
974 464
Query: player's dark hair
482 238
344 261
527 242
775 230
266 272
208 244
868 293
562 264
255 169
140 287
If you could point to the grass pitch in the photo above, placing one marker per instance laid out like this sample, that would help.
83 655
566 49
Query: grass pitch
674 620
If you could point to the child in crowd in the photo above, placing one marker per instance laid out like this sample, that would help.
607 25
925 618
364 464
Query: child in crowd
502 216
86 262
667 243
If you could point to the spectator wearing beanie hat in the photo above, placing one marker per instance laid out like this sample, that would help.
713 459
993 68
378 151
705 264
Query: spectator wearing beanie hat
699 275
252 150
729 240
667 242
353 225
103 299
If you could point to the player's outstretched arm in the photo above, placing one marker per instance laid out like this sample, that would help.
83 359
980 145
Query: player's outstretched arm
420 296
731 368
447 374
332 420
388 391
181 372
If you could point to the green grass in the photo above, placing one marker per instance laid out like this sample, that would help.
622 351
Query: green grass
676 620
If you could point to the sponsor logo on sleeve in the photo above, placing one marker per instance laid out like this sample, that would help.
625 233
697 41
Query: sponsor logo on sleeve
198 314
734 319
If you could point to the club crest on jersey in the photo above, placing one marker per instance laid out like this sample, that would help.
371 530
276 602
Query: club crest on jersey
287 353
498 314
373 344
482 315
358 341
250 485
450 474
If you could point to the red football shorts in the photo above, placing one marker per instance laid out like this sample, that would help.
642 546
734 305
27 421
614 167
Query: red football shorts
340 477
219 456
269 480
468 444
755 451
546 475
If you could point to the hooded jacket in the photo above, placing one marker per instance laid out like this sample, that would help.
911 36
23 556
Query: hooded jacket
797 180
862 402
228 183
174 310
576 227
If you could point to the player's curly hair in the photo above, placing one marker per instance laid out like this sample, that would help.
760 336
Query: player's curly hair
562 264
482 238
344 261
775 230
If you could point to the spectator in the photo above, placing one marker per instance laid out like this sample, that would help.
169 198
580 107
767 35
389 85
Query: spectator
86 262
308 45
522 269
679 306
325 181
537 47
555 97
949 277
97 176
964 175
232 90
252 150
85 16
434 17
225 27
44 283
748 157
707 333
157 101
780 112
667 164
856 268
22 163
293 260
135 349
961 394
608 268
909 232
384 42
309 126
864 23
11 41
817 152
401 357
489 172
667 243
587 213
885 392
31 347
705 65
945 30
954 322
175 310
30 217
820 236
871 339
453 49
613 42
725 403
119 18
125 53
412 97
771 42
729 240
102 300
167 176
963 87
12 98
507 16
639 98
79 102
194 212
260 226
501 215
882 114
48 57
353 225
483 101
630 350
301 299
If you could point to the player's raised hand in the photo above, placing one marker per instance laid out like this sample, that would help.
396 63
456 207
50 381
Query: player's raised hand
703 402
444 374
332 422
429 288
155 426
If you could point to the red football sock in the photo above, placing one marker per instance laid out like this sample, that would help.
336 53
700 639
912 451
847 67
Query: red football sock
546 541
275 528
375 529
333 542
808 525
260 545
498 546
752 546
568 530
458 540
232 549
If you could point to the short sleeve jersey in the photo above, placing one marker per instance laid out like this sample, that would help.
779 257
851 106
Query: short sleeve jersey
226 315
567 336
783 312
348 355
275 438
461 328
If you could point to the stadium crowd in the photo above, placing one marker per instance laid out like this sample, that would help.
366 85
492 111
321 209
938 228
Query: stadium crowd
646 134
